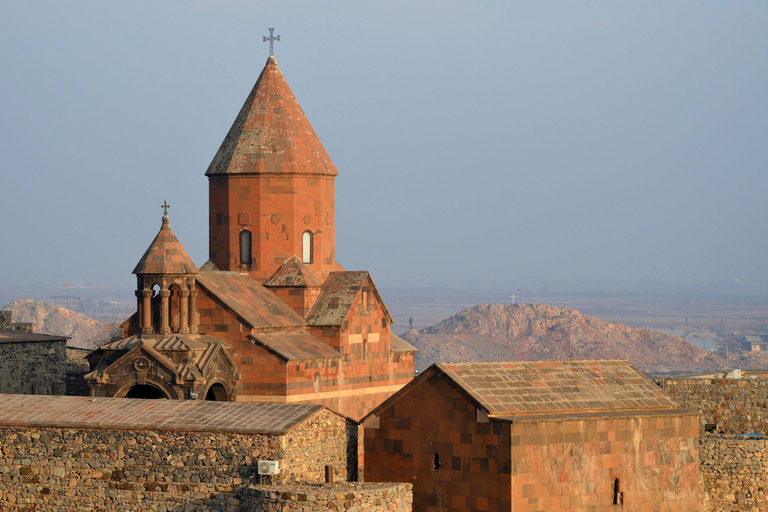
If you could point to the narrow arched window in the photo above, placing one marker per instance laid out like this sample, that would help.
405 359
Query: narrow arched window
317 383
306 247
618 496
365 348
245 247
436 462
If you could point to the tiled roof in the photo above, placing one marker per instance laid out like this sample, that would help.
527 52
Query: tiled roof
165 255
293 345
398 344
25 337
249 300
337 295
293 273
541 387
271 134
170 342
135 414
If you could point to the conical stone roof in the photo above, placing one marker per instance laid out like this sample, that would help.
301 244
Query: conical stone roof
271 134
165 255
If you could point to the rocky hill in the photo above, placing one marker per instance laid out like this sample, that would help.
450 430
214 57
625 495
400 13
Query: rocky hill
84 331
494 332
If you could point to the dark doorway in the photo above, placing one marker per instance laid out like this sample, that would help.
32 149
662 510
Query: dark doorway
144 391
217 393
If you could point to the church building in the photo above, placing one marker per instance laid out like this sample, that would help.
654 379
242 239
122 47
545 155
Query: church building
271 316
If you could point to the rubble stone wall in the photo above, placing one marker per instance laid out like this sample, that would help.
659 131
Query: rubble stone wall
734 473
77 367
373 497
86 469
733 406
33 368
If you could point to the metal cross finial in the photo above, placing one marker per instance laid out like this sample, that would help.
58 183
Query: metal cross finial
272 38
165 207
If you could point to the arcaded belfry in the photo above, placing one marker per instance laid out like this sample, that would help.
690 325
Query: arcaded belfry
271 317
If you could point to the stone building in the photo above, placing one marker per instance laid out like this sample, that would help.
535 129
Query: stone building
536 436
271 316
31 363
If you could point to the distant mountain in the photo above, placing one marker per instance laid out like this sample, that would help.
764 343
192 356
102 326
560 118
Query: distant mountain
495 332
84 331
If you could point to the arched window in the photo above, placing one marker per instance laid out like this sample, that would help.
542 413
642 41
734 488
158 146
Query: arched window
245 247
618 496
317 383
436 462
306 247
365 348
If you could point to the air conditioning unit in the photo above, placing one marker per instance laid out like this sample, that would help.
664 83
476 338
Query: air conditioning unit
269 467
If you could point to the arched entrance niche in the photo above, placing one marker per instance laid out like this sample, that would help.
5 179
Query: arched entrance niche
217 393
144 391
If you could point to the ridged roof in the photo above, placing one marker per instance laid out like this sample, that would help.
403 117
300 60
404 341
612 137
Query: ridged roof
513 388
296 345
165 255
271 134
293 273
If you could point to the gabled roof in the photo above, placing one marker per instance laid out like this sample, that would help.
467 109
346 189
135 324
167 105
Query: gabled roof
271 134
398 344
165 255
168 342
242 294
337 296
540 387
292 273
295 345
136 414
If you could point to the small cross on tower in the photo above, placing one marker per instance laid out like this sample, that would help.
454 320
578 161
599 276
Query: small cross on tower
272 38
165 207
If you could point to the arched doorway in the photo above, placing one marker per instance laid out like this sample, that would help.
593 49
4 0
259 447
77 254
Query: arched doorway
144 391
217 393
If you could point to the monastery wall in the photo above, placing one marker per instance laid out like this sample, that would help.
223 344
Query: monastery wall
371 497
734 473
88 469
733 406
573 464
33 368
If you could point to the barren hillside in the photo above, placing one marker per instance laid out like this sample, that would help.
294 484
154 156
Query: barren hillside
84 331
489 332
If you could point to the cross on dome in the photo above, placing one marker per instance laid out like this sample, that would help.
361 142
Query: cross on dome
165 207
272 38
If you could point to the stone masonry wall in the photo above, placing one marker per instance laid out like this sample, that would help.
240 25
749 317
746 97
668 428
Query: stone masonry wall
84 469
7 324
734 474
77 367
33 368
735 406
371 497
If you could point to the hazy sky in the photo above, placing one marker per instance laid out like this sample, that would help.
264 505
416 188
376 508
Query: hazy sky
474 140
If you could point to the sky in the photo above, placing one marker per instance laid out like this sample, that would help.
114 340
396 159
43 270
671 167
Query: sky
480 141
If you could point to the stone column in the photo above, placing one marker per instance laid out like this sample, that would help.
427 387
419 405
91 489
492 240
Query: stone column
193 310
164 327
146 312
184 312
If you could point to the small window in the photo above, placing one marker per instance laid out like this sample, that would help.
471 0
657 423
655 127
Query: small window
365 348
317 383
219 219
306 247
710 427
436 462
245 247
364 305
618 496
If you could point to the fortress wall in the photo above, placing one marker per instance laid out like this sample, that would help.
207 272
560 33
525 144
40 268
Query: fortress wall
734 473
734 406
373 497
89 469
36 368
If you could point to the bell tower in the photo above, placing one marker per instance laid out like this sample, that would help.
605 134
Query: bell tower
271 187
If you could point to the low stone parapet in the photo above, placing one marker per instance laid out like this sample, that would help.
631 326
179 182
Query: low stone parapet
371 497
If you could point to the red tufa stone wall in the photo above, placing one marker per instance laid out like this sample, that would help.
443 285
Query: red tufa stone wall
573 464
347 386
277 209
533 465
434 418
298 298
